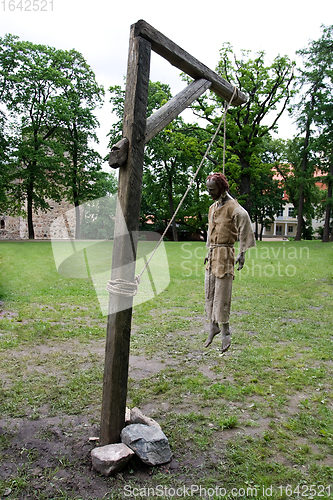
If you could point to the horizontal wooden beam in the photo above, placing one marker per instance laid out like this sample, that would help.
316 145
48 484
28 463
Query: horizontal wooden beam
187 63
164 115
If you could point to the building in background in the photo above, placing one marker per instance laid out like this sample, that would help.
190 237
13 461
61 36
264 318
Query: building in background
16 228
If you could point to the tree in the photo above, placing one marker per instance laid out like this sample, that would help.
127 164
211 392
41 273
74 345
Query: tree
268 88
81 95
99 218
32 98
286 157
7 65
305 119
50 95
3 162
267 198
171 162
315 111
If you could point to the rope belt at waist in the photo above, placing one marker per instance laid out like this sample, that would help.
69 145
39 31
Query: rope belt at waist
219 245
216 245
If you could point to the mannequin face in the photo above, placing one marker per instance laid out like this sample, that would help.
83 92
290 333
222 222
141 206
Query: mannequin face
214 190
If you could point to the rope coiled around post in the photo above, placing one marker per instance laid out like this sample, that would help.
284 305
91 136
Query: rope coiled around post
123 287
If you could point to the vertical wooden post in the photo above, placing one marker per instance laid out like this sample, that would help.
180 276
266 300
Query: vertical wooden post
125 242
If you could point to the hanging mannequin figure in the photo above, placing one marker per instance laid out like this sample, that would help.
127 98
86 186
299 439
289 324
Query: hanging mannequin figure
227 221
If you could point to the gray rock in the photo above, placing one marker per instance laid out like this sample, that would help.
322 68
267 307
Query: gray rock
137 417
110 458
149 443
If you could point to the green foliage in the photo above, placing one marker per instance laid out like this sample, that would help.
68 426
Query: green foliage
267 196
286 158
99 218
268 88
314 113
50 96
171 159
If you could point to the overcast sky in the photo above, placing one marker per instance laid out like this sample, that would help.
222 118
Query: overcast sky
99 29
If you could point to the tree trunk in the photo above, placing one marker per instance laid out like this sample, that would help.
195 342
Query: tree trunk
201 228
326 233
76 204
256 223
171 205
261 229
300 220
77 220
31 232
172 211
245 185
76 194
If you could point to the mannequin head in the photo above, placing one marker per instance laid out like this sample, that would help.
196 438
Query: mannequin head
217 185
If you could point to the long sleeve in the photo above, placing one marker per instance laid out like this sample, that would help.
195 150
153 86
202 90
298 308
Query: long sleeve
211 210
243 223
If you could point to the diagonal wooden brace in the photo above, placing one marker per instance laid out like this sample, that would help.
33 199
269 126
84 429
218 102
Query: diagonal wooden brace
161 118
164 115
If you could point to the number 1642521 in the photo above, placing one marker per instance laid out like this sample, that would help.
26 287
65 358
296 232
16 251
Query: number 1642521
27 5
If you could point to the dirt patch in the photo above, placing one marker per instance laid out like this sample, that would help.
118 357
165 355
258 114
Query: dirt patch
207 372
290 320
50 457
240 313
7 314
72 346
294 403
140 367
53 453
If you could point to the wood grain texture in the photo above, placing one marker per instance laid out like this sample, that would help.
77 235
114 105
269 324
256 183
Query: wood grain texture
119 153
164 115
187 63
125 242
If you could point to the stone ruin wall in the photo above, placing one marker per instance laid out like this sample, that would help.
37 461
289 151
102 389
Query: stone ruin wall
16 228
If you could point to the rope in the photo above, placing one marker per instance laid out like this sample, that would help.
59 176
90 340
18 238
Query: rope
123 287
129 289
224 134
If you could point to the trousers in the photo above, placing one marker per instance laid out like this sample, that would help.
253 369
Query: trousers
218 297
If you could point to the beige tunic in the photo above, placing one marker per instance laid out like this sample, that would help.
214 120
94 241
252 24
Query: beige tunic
226 224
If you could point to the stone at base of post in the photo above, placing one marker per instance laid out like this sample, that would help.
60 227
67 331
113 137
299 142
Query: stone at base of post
111 458
148 442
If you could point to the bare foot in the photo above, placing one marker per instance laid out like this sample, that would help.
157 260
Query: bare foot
226 342
226 338
213 330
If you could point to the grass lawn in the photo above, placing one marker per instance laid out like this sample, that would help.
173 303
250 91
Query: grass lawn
255 422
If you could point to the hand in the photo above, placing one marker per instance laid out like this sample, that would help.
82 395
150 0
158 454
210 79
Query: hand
240 260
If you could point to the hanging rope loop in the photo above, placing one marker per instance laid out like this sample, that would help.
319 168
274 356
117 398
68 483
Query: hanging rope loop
129 289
